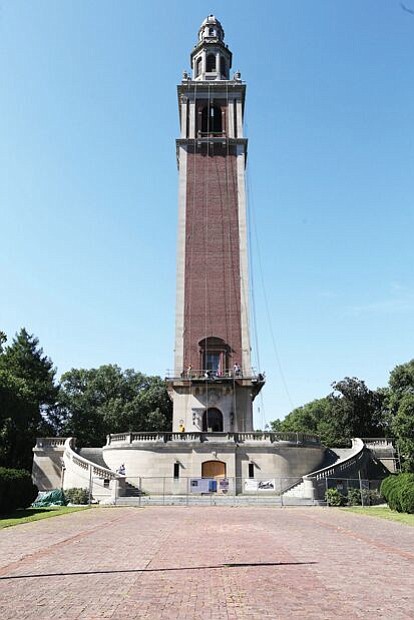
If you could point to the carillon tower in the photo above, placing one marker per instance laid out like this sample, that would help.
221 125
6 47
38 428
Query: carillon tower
213 384
212 447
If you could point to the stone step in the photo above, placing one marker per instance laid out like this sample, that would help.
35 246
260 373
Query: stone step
213 500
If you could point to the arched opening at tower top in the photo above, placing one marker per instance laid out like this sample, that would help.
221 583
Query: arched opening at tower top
211 63
211 119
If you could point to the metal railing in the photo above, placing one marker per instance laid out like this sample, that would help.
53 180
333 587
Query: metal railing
235 491
200 374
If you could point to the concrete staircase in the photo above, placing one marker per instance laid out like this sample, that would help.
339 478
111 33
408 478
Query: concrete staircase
95 455
341 463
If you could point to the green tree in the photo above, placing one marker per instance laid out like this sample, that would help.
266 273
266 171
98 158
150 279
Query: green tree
99 401
19 420
3 340
27 392
400 411
25 359
402 426
356 410
314 418
303 419
351 410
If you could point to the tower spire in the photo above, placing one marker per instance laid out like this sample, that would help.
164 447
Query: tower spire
211 57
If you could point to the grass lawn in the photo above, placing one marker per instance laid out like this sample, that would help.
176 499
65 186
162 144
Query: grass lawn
27 515
384 513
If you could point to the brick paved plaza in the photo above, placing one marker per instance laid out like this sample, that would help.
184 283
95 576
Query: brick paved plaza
184 563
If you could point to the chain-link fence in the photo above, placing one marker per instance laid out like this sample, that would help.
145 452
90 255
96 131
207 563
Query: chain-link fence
235 491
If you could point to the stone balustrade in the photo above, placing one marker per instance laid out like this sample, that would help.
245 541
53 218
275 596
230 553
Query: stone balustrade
199 437
45 443
315 482
338 469
94 470
379 442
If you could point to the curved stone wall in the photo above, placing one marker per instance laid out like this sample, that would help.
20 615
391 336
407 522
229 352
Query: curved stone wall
156 456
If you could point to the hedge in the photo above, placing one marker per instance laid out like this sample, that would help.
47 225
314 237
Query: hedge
16 489
398 491
77 496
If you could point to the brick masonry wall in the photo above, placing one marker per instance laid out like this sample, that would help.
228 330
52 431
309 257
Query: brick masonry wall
212 261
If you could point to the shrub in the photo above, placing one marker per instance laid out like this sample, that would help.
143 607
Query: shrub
77 496
398 491
386 486
16 489
371 497
334 498
406 496
354 497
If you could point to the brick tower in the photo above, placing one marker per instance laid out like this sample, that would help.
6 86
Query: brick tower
213 385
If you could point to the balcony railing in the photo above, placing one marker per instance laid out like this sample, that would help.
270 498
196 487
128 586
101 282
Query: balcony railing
211 134
215 375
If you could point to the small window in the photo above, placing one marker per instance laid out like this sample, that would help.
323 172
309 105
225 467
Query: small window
211 32
211 63
251 470
213 362
176 470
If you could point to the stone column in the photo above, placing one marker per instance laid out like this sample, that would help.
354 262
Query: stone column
239 111
191 129
184 105
230 119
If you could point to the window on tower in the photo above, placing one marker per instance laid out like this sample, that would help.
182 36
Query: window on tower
214 356
211 63
198 66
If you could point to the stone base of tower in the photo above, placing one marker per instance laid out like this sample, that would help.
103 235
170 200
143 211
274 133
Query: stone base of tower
214 404
183 464
167 462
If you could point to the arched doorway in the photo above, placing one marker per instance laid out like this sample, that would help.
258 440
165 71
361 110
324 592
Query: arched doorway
212 421
213 469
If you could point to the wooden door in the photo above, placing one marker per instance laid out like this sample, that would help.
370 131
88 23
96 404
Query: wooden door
213 469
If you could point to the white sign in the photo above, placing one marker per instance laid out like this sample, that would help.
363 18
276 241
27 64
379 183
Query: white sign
250 484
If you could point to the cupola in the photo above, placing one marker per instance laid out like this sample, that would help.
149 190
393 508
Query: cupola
211 58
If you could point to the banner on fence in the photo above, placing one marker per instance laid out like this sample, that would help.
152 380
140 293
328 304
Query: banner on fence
224 485
203 485
250 484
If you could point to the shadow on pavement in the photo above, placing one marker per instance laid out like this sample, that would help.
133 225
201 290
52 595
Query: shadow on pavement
156 570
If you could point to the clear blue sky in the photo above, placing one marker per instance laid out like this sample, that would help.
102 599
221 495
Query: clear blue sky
88 182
